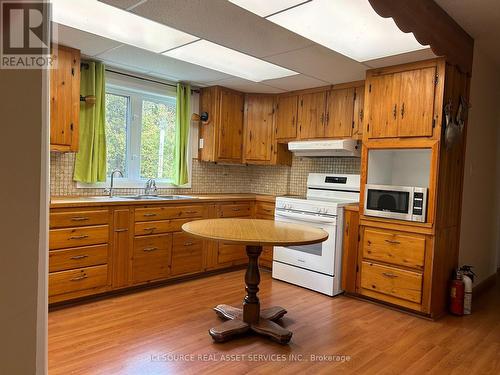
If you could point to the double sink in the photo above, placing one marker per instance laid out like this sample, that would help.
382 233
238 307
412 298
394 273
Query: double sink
144 197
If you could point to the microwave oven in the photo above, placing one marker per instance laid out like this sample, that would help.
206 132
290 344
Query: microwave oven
396 202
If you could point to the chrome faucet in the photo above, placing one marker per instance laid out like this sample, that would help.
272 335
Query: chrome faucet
112 181
150 188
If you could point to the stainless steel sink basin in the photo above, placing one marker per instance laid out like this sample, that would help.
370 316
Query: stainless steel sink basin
156 197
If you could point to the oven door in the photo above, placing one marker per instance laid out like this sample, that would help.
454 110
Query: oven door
393 202
318 257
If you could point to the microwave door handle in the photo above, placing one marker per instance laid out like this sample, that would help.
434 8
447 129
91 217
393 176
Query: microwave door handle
305 218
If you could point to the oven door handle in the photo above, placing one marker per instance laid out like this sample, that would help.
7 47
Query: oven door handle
306 218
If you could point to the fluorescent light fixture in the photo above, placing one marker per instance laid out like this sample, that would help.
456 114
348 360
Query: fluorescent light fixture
350 27
265 8
229 61
105 20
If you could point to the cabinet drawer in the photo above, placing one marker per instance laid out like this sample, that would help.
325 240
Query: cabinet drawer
157 227
187 254
78 218
76 237
235 210
264 210
394 247
151 258
267 253
79 279
403 284
163 213
60 260
230 253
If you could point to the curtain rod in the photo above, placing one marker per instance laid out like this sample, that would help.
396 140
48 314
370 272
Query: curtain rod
141 78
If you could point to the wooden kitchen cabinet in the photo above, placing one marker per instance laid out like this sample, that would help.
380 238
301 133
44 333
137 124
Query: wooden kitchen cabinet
260 145
400 103
286 117
265 210
311 115
221 137
65 100
151 258
359 113
339 113
350 248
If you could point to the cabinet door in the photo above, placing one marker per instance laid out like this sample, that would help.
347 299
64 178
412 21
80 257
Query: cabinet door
311 115
65 100
416 106
339 113
383 106
286 117
259 114
231 126
359 104
151 258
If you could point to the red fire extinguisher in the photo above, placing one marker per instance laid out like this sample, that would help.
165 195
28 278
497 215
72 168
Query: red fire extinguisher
457 293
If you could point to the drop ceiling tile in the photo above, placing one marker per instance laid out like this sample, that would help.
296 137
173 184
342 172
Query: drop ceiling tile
89 44
402 58
244 85
161 65
224 23
321 63
297 82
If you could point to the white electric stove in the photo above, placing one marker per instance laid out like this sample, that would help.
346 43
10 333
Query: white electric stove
316 266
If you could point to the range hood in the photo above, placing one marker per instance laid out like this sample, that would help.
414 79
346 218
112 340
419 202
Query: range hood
336 147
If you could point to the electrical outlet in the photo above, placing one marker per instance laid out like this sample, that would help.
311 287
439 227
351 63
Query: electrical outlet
200 145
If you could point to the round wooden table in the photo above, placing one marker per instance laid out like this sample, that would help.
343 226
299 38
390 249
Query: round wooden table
253 234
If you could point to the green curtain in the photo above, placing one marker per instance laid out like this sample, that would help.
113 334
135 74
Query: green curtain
182 122
90 164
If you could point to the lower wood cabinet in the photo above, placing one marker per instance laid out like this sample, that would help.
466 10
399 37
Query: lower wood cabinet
265 210
151 258
97 250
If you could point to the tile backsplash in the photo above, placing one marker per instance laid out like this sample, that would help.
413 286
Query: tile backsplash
217 178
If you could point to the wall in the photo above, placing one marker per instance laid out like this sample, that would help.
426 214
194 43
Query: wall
23 223
480 211
217 178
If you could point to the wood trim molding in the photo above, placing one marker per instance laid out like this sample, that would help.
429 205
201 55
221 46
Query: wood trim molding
432 26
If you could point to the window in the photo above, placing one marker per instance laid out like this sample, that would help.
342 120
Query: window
140 131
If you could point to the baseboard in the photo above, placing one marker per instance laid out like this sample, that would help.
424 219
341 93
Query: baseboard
485 284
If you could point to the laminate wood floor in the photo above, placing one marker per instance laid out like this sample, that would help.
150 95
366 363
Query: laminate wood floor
165 331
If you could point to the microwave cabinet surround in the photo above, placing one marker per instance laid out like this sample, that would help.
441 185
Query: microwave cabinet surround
403 263
396 202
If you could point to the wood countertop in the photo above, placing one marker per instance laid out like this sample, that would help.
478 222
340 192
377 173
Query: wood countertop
255 232
95 201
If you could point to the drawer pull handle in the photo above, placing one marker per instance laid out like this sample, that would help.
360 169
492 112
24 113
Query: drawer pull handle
80 218
79 278
389 275
235 209
121 230
149 249
79 237
393 242
77 257
150 229
149 215
189 244
191 212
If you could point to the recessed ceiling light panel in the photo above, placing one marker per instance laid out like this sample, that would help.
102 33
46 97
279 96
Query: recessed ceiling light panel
229 61
105 20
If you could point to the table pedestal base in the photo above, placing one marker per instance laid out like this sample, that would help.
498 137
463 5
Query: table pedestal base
235 325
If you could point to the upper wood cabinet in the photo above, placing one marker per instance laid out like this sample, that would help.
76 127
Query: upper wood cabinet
65 100
339 113
358 116
311 115
401 103
286 117
259 143
221 137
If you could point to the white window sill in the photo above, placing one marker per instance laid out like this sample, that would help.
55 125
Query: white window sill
130 184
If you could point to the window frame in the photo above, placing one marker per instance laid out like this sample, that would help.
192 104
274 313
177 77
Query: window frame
136 91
